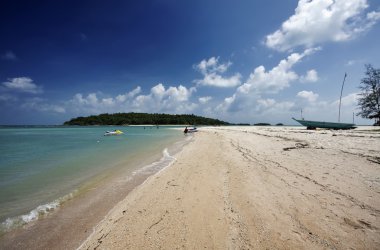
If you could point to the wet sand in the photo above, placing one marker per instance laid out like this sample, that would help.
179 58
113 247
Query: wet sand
255 188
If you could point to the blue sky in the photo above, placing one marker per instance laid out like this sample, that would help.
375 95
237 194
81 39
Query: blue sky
240 61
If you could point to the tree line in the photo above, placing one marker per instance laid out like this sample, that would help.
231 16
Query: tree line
143 118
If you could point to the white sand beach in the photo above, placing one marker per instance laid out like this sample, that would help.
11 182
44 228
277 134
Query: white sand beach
256 188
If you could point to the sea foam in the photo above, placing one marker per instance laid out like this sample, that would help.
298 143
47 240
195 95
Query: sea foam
165 161
41 210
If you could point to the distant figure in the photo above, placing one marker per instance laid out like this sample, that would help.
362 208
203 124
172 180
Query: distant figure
186 130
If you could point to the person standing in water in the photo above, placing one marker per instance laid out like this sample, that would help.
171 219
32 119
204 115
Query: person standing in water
186 130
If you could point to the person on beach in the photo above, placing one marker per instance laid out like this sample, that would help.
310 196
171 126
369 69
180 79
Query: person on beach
185 131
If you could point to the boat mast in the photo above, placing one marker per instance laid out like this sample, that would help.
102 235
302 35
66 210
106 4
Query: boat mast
341 91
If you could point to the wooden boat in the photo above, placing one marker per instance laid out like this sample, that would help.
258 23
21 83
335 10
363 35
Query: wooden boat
328 125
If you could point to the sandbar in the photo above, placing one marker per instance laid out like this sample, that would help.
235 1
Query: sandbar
255 188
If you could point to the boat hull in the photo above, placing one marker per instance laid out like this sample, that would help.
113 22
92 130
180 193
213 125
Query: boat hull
327 125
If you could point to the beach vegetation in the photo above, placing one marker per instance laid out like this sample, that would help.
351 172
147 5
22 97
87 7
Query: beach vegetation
369 98
143 119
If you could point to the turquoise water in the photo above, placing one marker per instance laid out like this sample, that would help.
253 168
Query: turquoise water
42 166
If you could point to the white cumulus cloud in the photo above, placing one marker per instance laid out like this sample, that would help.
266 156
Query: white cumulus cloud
276 79
205 99
252 95
211 69
90 100
212 65
308 95
129 95
159 99
311 76
23 84
318 21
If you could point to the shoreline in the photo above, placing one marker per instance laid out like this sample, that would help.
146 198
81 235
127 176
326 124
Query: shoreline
69 223
236 188
285 188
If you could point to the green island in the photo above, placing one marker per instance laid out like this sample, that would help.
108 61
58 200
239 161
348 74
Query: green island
142 119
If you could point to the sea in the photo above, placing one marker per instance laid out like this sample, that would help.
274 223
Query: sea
42 167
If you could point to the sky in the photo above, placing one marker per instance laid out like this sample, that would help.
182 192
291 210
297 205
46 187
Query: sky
243 61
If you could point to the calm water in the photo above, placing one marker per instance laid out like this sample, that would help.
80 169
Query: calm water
41 167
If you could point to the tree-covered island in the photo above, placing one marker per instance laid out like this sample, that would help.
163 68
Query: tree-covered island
143 118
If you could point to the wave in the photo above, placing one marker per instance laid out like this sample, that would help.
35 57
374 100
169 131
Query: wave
165 161
41 210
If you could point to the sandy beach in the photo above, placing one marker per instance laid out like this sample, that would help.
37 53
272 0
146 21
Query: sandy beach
255 188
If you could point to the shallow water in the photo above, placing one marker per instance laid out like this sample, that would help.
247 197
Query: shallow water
41 167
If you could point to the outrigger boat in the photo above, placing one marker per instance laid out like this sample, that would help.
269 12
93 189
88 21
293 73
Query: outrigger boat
328 125
115 132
